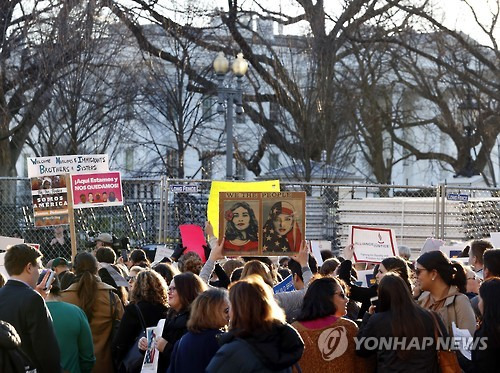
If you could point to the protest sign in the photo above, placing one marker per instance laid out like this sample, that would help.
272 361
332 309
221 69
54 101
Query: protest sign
193 239
3 271
8 241
234 186
262 223
317 247
372 244
431 244
495 239
366 278
150 362
67 164
96 189
284 286
50 200
162 252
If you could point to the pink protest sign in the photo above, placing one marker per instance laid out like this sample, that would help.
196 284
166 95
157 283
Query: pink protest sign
96 190
193 238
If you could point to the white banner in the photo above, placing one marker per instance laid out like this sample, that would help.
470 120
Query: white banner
495 239
372 244
317 246
67 164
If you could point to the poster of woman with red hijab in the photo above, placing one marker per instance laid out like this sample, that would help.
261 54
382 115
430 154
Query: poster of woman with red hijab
281 231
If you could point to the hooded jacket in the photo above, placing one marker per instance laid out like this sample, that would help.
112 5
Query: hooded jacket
274 351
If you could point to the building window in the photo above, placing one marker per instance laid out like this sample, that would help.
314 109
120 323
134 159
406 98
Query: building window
129 159
207 108
274 111
274 161
206 166
239 173
172 162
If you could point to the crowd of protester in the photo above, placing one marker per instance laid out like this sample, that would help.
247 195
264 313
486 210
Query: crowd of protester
224 315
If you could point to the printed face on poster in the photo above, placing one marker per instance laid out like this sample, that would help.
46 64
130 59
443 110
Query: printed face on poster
262 223
50 200
372 245
96 190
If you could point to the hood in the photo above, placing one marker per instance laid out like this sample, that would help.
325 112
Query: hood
278 349
9 338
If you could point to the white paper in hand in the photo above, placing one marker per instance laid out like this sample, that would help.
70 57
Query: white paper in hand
464 339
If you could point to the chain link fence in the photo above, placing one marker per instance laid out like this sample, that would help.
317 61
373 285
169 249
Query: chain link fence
154 208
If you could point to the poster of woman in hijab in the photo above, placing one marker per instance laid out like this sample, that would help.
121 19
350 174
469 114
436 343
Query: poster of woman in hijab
283 230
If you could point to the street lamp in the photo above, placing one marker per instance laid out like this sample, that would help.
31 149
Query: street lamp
233 96
469 108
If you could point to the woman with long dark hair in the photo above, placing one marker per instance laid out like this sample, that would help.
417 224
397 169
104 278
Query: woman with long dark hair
445 284
148 297
393 264
100 304
242 228
485 355
321 322
259 339
182 291
402 331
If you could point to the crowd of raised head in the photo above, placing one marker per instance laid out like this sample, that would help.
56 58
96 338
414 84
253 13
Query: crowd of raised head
226 315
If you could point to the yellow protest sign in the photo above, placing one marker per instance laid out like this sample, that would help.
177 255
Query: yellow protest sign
234 186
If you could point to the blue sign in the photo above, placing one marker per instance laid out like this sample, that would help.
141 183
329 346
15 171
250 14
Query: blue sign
457 197
284 286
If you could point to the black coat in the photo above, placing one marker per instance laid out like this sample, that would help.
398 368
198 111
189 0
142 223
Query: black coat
12 358
25 310
130 326
274 351
487 359
378 326
175 327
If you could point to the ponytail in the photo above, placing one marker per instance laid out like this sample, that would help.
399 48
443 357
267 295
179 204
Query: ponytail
87 291
459 277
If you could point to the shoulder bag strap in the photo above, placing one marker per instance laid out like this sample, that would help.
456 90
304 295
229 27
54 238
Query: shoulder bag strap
141 318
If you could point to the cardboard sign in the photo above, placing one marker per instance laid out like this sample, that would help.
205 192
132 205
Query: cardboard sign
50 200
97 190
150 362
284 286
234 186
262 223
317 247
495 239
67 164
193 238
372 245
162 252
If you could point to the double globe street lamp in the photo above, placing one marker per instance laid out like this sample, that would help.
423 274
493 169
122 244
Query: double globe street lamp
232 97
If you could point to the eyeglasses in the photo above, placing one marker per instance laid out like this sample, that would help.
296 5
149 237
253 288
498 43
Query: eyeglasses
419 270
130 278
342 295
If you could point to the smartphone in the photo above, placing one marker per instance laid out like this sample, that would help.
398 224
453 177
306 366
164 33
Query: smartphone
373 301
124 255
50 280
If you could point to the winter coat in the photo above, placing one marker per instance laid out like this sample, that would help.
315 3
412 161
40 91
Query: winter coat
454 307
12 358
104 312
274 351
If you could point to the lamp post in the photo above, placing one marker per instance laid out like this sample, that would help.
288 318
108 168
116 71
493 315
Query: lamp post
469 108
233 97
